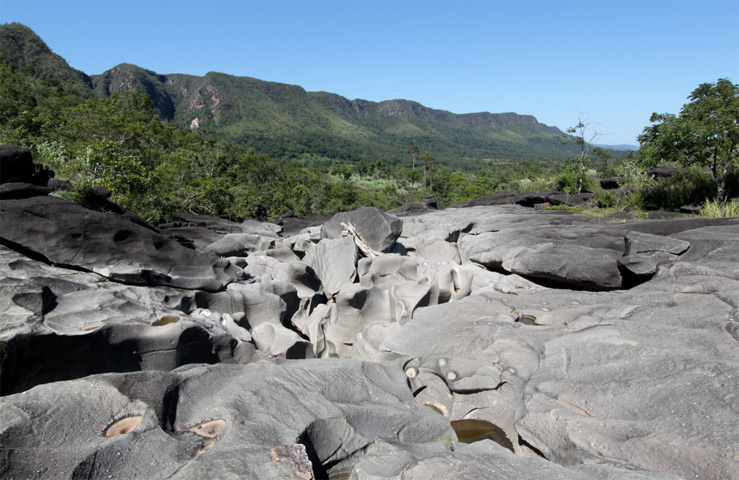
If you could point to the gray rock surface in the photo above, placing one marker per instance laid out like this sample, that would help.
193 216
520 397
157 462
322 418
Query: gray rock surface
335 263
586 348
220 421
484 459
379 229
67 234
632 377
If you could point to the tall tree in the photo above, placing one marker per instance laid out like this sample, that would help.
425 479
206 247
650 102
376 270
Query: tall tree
414 152
428 161
705 133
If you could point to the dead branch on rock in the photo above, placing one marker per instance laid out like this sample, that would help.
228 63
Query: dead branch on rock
359 241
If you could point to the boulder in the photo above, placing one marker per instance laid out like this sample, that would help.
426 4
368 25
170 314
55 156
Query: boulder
16 164
278 341
379 229
529 199
16 190
415 208
20 177
644 253
437 250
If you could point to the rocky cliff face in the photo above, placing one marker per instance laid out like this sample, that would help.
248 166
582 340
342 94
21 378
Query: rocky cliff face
481 342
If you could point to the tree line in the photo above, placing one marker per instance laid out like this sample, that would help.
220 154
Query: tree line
153 167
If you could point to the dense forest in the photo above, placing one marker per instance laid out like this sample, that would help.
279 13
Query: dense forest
130 142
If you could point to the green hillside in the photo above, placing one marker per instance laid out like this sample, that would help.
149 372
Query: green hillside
21 47
286 121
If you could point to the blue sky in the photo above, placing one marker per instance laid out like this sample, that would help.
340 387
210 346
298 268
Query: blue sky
611 62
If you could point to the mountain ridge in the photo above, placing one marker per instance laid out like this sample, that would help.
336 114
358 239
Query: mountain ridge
286 121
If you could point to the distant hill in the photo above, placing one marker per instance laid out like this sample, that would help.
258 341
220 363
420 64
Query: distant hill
21 47
620 147
286 121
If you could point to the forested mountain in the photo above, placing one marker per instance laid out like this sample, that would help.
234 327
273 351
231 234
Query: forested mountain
20 46
285 121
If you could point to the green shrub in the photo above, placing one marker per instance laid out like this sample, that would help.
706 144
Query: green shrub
684 188
605 198
572 178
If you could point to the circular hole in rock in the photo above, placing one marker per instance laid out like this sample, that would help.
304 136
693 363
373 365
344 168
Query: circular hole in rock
166 320
472 430
209 429
123 426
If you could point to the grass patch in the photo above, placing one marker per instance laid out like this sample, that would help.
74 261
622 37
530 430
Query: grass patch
569 208
716 209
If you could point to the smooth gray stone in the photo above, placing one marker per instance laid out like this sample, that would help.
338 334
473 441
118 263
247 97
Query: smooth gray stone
379 229
644 243
272 302
267 268
573 265
239 244
387 271
438 250
192 236
42 358
277 341
304 241
335 263
66 234
637 377
219 421
644 253
713 246
282 252
479 460
364 315
262 229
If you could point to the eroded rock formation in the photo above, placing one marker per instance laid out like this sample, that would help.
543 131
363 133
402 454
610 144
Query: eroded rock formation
559 346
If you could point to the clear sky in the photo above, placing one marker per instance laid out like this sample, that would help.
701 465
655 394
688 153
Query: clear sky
611 62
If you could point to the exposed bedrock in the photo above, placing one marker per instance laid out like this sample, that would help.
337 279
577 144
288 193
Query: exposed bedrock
264 420
67 234
482 342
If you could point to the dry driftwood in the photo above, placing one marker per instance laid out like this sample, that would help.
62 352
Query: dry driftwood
359 241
